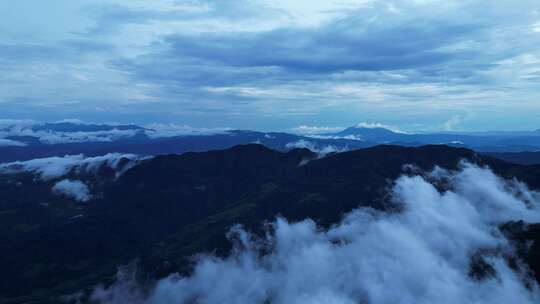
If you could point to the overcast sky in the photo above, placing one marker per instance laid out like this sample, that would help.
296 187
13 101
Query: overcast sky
274 64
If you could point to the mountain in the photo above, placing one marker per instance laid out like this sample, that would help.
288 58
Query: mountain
377 134
30 136
524 158
166 209
484 142
144 145
25 142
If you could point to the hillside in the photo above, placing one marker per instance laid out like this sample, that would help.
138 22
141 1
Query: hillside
168 208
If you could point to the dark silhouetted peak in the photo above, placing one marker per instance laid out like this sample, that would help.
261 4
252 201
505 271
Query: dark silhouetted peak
301 153
433 153
235 169
250 148
387 161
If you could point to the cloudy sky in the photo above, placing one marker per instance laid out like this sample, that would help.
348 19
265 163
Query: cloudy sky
274 64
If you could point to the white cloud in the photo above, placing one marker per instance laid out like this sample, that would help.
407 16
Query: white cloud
10 122
11 143
78 137
72 188
56 167
348 137
322 150
73 121
466 37
310 130
158 130
314 13
452 123
376 125
302 144
155 130
536 27
27 128
420 255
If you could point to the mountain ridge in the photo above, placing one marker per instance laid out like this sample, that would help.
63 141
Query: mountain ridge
168 208
66 138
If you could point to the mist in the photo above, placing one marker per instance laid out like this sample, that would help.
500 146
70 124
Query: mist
321 150
55 167
109 133
73 189
423 253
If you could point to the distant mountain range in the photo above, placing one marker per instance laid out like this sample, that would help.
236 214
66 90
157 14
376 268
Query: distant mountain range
488 141
24 142
78 127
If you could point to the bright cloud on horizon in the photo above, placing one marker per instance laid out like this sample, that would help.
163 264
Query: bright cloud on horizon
273 64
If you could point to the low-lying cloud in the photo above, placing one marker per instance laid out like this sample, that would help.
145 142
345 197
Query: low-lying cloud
72 174
422 254
376 125
310 130
322 150
73 189
55 167
28 128
75 131
157 130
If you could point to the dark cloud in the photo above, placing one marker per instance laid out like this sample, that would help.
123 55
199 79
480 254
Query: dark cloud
345 45
426 49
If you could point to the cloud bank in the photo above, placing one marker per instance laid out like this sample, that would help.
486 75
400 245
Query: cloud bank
376 125
55 167
422 254
71 131
76 131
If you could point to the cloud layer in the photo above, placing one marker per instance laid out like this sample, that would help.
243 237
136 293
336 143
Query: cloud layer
72 176
274 64
46 134
76 131
422 254
55 167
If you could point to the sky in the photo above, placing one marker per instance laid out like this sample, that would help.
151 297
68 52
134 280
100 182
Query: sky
467 65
